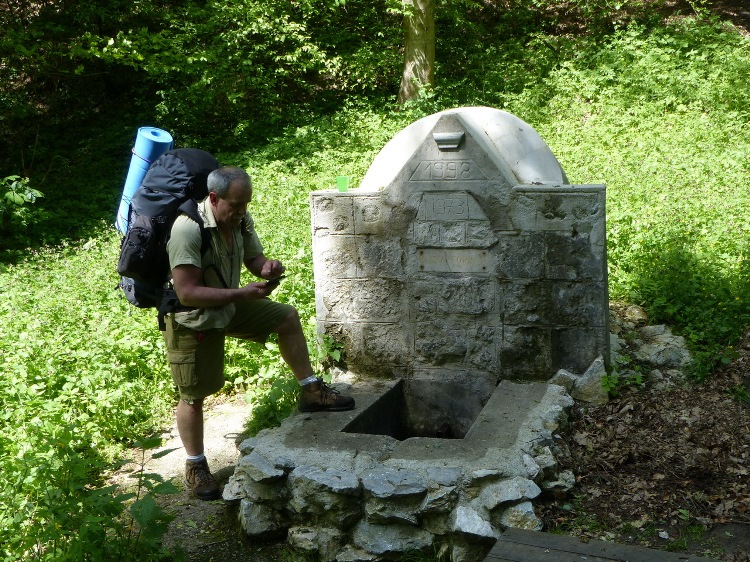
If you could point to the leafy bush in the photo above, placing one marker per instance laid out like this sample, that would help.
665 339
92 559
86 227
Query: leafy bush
224 72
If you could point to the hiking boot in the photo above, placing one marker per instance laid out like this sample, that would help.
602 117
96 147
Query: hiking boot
200 481
319 397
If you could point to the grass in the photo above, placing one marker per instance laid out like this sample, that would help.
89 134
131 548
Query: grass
656 114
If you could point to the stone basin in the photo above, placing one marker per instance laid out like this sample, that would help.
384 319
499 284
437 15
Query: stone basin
346 492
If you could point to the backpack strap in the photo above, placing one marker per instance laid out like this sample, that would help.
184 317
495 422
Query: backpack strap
190 208
169 303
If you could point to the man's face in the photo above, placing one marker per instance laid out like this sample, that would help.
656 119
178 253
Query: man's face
230 210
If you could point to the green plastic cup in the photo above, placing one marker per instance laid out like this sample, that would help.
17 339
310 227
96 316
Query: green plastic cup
342 182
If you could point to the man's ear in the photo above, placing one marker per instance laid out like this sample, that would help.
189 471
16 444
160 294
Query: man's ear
213 198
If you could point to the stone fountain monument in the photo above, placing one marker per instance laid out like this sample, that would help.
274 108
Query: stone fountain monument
461 275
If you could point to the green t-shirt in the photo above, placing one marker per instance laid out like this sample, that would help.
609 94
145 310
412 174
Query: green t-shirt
184 248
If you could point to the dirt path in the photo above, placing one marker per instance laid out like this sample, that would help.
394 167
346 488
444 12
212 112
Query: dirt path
205 531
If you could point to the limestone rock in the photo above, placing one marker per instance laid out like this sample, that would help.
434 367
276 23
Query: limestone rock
262 492
663 349
323 541
532 468
469 522
588 387
521 516
437 523
636 315
257 519
564 378
564 482
393 510
390 539
510 490
234 490
328 479
259 468
384 483
327 495
247 446
444 476
546 461
483 474
616 343
439 500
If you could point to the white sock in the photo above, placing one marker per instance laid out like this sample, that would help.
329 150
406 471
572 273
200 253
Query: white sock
196 458
308 380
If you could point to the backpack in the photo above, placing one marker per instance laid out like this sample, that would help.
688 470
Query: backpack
172 186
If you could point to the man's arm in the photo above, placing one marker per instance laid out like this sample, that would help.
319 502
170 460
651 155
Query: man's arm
188 283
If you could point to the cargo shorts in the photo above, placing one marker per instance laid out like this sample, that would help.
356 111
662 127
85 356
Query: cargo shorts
196 358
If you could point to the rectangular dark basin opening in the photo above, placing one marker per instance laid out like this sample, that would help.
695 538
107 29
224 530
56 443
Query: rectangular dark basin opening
420 408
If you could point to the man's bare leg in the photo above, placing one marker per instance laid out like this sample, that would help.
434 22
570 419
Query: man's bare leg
190 426
293 347
197 474
316 395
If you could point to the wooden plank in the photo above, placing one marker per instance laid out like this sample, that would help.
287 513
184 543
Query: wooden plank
518 545
514 552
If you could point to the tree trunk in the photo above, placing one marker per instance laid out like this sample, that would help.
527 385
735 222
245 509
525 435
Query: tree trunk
419 48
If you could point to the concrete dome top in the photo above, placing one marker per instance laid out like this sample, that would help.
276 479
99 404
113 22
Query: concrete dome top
514 145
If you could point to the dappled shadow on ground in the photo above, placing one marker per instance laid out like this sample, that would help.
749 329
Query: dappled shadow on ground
736 11
574 18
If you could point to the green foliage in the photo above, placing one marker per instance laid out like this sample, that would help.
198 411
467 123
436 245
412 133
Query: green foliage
147 521
330 350
214 74
44 84
226 71
740 393
271 403
81 180
689 535
624 374
80 382
15 194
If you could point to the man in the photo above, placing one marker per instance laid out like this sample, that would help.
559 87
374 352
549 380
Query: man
211 284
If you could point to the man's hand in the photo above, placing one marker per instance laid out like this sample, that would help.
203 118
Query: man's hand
258 290
272 269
